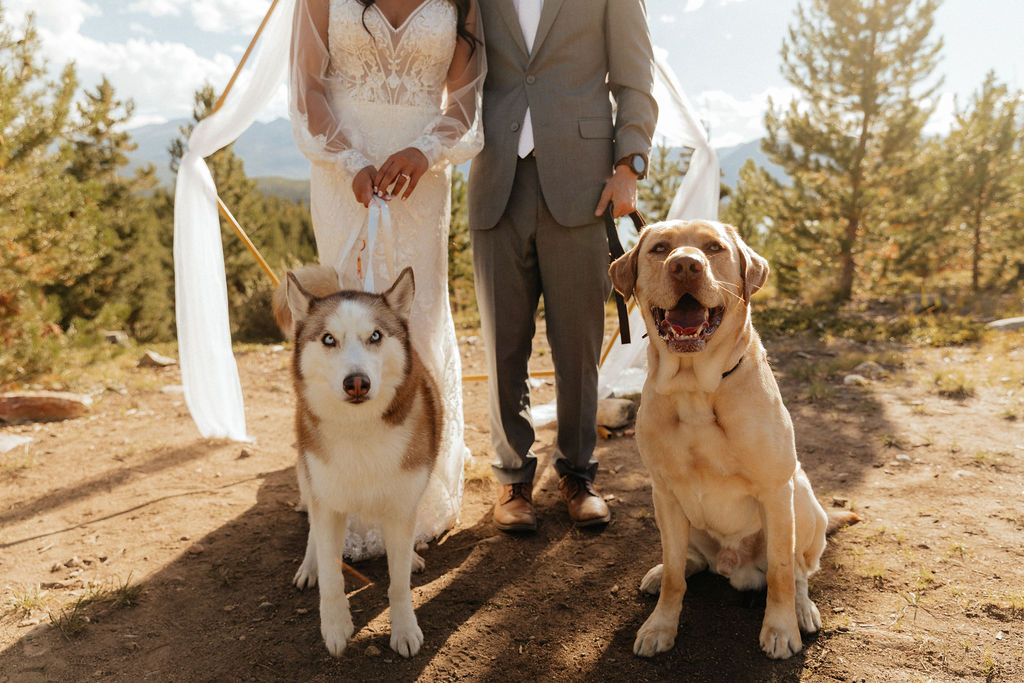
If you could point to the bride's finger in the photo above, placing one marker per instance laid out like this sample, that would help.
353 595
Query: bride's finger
382 175
400 182
414 179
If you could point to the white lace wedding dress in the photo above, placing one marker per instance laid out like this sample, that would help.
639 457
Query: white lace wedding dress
385 89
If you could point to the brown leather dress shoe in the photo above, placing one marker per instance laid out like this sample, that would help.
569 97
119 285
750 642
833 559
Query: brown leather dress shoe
586 506
513 510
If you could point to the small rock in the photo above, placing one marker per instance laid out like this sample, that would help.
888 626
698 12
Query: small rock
838 610
118 337
230 608
42 406
609 497
244 454
152 359
372 651
8 442
302 610
1007 324
266 605
962 474
839 502
856 381
73 562
870 369
615 589
196 549
615 413
34 621
903 458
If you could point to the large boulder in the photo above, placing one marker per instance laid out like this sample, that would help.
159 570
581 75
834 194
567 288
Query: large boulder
42 406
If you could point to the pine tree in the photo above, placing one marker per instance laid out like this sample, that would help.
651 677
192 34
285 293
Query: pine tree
982 173
850 139
47 224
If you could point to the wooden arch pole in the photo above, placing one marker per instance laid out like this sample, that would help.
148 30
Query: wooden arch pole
220 102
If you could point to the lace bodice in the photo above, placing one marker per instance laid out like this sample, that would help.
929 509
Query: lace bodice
376 62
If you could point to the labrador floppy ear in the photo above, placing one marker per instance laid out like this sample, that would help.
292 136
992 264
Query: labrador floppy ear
624 269
753 267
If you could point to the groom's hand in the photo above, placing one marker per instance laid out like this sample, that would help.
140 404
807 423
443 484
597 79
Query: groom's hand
620 190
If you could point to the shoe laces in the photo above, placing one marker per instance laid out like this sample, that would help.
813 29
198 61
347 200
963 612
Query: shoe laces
572 486
517 490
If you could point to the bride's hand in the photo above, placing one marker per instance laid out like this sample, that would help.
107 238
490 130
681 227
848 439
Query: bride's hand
403 170
362 185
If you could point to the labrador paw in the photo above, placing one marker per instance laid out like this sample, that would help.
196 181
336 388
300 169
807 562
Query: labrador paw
807 615
778 640
418 563
656 635
651 583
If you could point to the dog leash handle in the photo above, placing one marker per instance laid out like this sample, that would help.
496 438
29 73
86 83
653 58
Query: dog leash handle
615 250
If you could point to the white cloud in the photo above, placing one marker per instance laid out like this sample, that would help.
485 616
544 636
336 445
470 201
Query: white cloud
733 119
667 19
693 5
224 16
157 8
66 16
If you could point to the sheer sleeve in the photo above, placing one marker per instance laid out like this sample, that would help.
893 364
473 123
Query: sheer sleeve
316 129
457 134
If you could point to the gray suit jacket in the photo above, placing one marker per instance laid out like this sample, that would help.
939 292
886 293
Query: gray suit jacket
583 50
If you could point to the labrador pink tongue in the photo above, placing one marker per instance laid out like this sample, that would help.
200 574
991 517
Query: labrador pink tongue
687 316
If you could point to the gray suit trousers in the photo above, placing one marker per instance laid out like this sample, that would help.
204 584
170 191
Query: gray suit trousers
525 255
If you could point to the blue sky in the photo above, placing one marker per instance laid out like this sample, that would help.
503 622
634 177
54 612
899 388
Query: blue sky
725 52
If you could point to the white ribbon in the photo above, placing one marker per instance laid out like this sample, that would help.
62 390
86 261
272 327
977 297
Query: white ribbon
378 218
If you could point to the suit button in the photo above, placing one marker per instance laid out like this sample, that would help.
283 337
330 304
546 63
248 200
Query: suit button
515 127
531 79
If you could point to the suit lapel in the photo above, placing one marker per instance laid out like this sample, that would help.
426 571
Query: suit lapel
547 18
508 13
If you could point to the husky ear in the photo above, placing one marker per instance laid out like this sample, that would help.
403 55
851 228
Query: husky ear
298 298
399 297
623 270
753 267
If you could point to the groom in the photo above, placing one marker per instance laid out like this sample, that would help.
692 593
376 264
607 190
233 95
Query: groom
553 158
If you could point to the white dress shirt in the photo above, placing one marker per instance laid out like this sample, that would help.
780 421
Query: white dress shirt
529 18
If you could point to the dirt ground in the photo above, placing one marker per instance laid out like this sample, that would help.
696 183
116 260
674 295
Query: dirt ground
131 549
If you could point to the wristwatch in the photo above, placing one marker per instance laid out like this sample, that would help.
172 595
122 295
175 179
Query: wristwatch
637 163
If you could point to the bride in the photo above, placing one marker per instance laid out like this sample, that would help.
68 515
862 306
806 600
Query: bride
384 100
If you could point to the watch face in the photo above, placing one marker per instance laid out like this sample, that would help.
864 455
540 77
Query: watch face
638 164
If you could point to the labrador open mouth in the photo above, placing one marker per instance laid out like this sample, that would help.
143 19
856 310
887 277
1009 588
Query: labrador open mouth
687 327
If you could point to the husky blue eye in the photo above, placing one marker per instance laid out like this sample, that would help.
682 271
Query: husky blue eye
376 337
328 340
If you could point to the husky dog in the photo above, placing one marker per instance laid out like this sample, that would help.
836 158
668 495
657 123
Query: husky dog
368 417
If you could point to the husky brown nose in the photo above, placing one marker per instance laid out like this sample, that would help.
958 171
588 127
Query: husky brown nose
356 385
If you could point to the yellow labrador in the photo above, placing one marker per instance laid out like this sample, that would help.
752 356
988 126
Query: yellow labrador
729 493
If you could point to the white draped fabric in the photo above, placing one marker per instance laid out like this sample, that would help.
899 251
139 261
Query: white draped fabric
212 390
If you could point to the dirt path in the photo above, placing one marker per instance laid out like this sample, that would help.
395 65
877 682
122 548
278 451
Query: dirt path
929 587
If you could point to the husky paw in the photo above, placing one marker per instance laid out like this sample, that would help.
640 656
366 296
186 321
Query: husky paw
780 640
406 641
418 563
651 583
305 577
336 632
807 615
656 635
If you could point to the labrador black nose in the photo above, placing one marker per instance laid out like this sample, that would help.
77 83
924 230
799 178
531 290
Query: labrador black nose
356 385
685 265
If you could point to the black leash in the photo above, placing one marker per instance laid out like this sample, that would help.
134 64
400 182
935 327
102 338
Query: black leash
615 250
